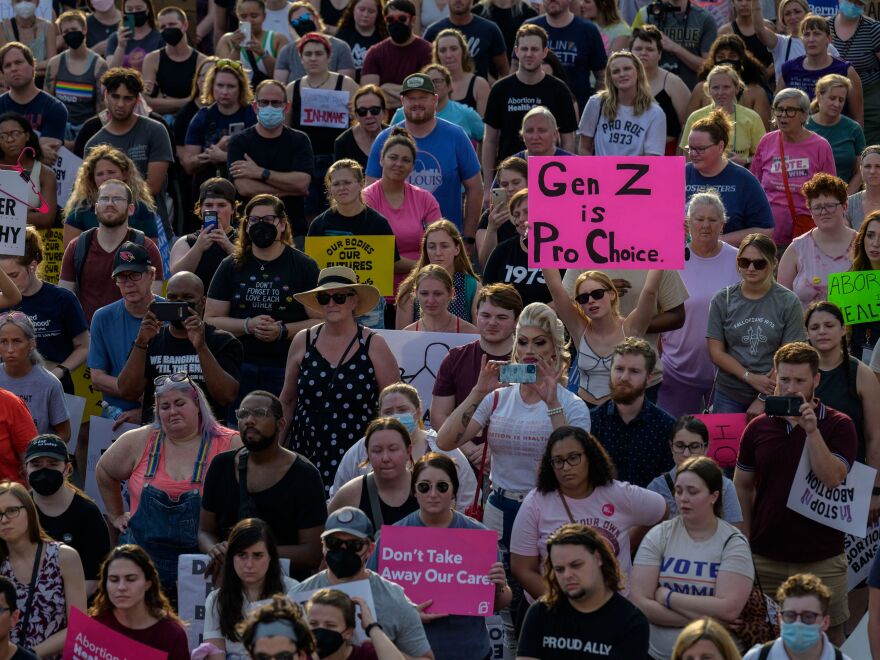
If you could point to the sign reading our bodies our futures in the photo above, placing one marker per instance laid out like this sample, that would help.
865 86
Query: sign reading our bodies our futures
370 257
13 212
448 566
606 212
857 294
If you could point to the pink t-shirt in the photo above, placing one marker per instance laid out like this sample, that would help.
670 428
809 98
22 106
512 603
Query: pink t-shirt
803 160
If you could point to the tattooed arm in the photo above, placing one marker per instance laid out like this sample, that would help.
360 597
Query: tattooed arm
461 426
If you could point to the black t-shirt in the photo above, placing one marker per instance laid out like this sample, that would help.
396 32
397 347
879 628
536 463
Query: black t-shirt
508 19
23 654
295 502
181 122
509 263
483 37
289 152
346 146
97 31
266 288
359 46
168 354
82 527
510 100
366 223
211 258
617 630
505 231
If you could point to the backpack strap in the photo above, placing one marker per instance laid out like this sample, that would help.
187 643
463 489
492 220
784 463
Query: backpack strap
84 242
375 505
671 485
765 650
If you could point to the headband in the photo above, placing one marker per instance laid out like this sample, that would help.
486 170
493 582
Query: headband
277 628
313 36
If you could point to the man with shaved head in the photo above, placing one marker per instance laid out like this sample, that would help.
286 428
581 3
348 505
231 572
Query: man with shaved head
209 356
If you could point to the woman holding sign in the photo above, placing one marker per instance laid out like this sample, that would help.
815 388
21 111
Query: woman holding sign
866 256
16 135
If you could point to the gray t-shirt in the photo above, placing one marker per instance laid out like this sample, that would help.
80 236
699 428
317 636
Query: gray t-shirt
289 59
751 331
628 134
732 512
397 614
43 394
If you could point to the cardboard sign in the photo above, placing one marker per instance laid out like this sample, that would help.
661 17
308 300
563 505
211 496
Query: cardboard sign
49 269
14 192
323 107
370 257
357 589
88 639
844 508
606 212
857 294
725 433
75 405
66 167
101 435
448 566
860 555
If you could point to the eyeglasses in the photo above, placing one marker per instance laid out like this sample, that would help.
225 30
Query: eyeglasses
11 135
128 276
424 487
786 112
572 460
698 151
374 110
257 413
11 513
790 616
335 543
821 209
265 103
178 377
230 64
254 219
596 294
744 263
12 316
338 298
103 199
693 447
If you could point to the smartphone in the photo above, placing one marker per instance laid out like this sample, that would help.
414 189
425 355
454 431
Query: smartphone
518 373
783 406
499 197
245 29
170 311
236 127
210 220
128 22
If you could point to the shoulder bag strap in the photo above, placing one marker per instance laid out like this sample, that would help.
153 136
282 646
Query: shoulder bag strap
765 650
32 589
785 179
375 505
669 483
565 504
485 451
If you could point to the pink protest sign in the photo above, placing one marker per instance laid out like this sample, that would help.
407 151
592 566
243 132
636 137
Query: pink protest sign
606 212
88 639
448 566
725 431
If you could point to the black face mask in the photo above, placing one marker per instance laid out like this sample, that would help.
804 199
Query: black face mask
328 641
343 562
263 234
172 36
140 18
74 39
46 481
304 27
262 444
399 32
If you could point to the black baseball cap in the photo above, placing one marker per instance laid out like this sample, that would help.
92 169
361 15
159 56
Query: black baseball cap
131 257
46 445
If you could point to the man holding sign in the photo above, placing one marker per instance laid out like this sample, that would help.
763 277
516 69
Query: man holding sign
784 542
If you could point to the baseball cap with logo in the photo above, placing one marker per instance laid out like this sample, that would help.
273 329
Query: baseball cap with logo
349 520
417 82
131 257
46 445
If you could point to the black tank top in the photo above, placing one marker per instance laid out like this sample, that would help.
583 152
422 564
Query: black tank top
390 514
468 98
754 45
837 389
673 125
175 79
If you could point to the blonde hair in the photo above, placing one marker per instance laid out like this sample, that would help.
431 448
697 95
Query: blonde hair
825 84
541 316
85 192
604 280
725 70
435 272
608 96
707 629
462 260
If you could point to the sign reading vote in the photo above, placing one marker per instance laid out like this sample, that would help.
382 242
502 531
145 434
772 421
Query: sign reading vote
88 639
857 293
370 257
844 508
725 433
606 212
448 566
13 212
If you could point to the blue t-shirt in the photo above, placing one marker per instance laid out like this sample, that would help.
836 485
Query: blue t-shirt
47 115
484 40
210 125
458 114
113 332
57 317
580 50
444 159
744 199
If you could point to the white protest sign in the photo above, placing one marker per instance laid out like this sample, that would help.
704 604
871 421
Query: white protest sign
860 553
358 589
419 355
499 650
14 192
844 508
323 107
101 435
75 406
66 167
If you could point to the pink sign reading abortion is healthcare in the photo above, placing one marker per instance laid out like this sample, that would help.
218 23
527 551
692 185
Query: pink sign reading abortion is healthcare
88 639
606 212
448 566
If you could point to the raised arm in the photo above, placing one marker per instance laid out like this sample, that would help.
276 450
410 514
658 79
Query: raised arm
565 308
460 426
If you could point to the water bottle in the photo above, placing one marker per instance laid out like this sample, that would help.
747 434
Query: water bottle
110 412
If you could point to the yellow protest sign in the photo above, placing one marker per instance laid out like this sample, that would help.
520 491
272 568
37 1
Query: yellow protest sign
82 386
53 251
370 257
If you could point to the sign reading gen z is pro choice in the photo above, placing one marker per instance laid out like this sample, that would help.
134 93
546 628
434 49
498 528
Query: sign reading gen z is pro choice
606 212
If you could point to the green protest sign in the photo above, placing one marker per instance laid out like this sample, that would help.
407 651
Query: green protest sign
857 294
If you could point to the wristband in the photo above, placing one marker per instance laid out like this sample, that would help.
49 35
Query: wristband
468 240
246 329
876 491
762 397
136 345
555 411
371 626
65 372
668 596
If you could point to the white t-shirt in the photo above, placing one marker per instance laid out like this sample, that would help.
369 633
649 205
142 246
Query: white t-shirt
797 49
350 467
627 134
276 21
690 567
518 433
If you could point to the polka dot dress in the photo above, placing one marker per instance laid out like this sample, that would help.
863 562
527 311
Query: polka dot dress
331 416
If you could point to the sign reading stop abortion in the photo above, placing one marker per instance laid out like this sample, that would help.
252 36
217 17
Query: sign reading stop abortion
447 566
606 212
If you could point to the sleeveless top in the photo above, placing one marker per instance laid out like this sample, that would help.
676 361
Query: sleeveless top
390 514
673 125
268 48
175 78
322 137
330 14
457 325
814 267
468 99
465 289
48 607
78 92
334 403
37 46
837 389
754 45
595 370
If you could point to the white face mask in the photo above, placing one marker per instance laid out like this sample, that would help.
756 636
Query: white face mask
25 9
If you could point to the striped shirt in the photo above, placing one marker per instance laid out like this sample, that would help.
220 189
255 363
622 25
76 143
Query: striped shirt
861 49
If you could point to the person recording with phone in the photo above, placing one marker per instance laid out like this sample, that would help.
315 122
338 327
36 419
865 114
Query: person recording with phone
173 337
137 35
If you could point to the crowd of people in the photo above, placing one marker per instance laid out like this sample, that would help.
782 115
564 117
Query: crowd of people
270 423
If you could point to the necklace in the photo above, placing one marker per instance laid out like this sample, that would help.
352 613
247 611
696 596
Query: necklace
323 82
444 328
261 262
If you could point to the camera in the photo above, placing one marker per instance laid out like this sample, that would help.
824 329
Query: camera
783 406
658 9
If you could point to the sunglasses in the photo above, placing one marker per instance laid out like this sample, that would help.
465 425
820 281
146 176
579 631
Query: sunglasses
338 298
397 19
597 294
334 543
12 316
373 110
301 19
424 487
232 64
744 263
178 377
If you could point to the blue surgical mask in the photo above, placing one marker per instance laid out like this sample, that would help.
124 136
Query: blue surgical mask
799 637
270 117
407 420
851 10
